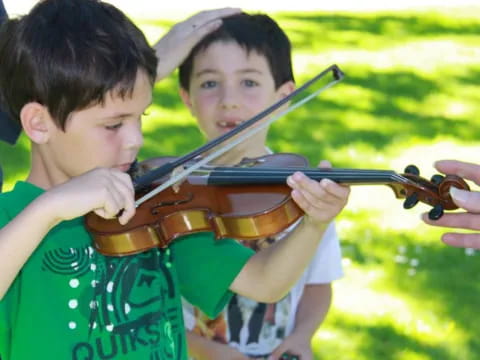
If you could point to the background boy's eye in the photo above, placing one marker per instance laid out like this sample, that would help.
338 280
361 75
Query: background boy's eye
250 83
208 84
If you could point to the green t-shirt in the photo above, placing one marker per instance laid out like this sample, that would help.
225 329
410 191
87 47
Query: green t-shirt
70 302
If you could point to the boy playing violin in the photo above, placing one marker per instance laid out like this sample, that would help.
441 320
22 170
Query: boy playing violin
78 75
231 75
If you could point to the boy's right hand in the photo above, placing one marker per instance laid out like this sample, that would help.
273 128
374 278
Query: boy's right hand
104 191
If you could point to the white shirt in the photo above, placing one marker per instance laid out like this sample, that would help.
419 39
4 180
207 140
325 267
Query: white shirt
257 329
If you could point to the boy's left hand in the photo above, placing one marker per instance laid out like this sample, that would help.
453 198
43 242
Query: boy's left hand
320 200
174 47
295 346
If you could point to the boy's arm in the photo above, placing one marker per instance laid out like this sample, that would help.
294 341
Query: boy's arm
312 309
20 237
311 312
270 273
174 47
105 191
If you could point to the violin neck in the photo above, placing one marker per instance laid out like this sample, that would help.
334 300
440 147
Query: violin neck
265 175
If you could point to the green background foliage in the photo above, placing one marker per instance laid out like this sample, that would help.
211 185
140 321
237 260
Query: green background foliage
410 96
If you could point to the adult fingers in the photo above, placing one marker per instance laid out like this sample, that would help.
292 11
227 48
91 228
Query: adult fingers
462 240
207 16
456 220
463 169
468 200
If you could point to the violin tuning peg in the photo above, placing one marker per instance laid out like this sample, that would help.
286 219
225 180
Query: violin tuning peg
412 169
410 201
437 179
436 212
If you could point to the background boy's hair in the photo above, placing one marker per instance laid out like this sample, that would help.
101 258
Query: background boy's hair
256 32
67 54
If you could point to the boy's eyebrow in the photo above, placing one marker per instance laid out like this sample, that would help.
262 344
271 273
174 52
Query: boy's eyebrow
124 114
118 116
213 71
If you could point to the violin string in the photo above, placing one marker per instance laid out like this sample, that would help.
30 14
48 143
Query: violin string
291 170
279 173
342 175
287 171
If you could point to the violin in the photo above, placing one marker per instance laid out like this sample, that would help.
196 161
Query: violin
250 200
247 201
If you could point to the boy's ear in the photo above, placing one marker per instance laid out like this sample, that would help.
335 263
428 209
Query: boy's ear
286 89
36 122
185 96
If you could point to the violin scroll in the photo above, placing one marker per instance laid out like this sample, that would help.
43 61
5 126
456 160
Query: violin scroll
435 192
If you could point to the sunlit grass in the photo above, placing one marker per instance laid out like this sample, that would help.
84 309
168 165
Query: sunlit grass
410 96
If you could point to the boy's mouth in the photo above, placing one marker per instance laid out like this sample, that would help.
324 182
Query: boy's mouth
123 167
229 124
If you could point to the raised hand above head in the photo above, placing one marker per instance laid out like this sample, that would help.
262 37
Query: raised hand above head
174 47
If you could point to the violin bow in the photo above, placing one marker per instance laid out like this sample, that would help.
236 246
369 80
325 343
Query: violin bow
148 178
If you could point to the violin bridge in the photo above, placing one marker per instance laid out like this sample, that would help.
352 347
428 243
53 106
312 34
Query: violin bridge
249 162
176 186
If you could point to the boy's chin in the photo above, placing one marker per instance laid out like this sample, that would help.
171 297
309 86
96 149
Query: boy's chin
224 130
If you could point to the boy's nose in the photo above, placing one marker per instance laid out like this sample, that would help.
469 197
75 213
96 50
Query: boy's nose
229 99
134 138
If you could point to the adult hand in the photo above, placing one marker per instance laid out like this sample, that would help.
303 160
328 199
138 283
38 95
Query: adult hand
467 200
174 47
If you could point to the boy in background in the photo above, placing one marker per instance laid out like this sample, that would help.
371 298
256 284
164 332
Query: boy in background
231 75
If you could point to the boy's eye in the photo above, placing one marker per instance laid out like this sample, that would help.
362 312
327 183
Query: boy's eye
208 84
113 127
250 83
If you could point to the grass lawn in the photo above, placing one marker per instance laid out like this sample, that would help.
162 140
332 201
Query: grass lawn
411 95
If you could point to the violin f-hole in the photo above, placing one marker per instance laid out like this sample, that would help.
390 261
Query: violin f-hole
187 199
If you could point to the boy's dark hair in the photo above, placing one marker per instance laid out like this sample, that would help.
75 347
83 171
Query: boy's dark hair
256 32
67 54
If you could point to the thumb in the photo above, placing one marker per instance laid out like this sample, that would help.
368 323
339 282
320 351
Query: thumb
468 200
324 164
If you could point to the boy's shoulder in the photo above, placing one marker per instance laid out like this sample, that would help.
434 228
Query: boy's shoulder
14 201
